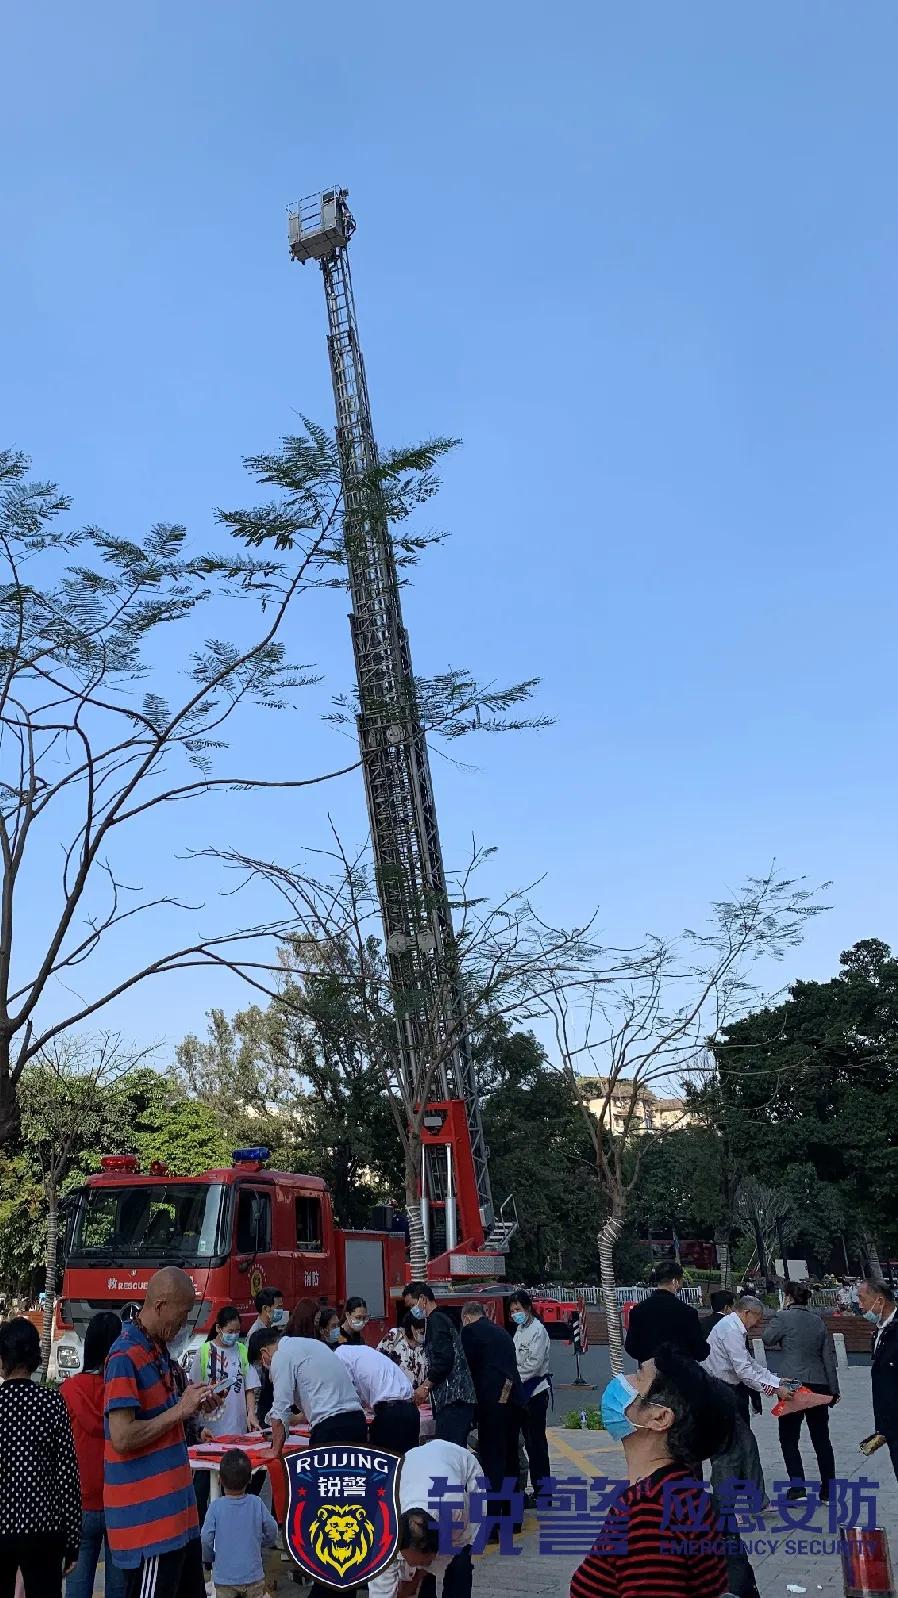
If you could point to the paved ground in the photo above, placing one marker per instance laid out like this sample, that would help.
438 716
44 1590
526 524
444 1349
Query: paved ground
779 1567
782 1566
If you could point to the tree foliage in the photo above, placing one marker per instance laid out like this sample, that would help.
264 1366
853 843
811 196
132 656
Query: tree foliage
541 1153
807 1092
500 960
111 706
295 1076
69 1120
647 1029
679 1187
306 474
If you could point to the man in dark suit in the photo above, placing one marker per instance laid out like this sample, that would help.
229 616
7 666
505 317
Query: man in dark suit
664 1318
878 1305
722 1301
490 1352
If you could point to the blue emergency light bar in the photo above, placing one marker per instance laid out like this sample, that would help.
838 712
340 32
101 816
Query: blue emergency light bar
254 1156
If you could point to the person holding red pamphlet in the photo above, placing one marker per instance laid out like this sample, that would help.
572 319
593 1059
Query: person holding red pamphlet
803 1351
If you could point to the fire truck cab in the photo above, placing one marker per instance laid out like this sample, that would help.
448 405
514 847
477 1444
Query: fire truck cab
233 1231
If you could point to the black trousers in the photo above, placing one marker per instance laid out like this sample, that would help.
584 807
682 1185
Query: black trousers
533 1426
178 1574
350 1426
818 1426
742 1395
497 1442
457 1578
892 1445
40 1559
454 1424
396 1427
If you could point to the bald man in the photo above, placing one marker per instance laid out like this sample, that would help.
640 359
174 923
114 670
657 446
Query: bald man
151 1517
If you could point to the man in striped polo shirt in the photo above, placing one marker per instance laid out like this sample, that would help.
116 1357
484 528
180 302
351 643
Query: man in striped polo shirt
148 1496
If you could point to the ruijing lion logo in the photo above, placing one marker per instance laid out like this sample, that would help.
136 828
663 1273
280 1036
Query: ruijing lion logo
342 1537
343 1515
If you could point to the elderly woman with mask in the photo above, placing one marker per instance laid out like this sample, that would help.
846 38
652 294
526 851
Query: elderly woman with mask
662 1534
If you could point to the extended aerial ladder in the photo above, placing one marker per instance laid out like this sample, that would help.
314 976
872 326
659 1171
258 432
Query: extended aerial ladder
457 1207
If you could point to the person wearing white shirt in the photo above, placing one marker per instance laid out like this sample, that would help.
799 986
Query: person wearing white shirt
531 1347
384 1388
420 1553
308 1376
729 1360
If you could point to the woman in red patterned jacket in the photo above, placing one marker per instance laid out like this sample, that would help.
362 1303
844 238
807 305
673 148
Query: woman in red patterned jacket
662 1535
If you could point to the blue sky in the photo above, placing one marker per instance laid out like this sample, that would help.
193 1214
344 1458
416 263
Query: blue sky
642 259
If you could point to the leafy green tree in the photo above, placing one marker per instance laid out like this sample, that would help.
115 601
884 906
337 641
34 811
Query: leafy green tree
678 1187
165 1124
23 1213
807 1093
297 1075
86 1098
541 1152
234 1073
89 747
62 1108
649 1032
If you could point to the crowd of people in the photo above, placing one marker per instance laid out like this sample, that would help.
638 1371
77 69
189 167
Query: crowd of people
801 1354
101 1467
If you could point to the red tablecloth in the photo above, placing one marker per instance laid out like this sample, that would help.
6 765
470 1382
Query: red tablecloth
207 1456
257 1447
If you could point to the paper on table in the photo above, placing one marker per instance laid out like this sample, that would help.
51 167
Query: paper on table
802 1398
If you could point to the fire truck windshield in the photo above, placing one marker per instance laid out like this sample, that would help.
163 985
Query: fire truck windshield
176 1221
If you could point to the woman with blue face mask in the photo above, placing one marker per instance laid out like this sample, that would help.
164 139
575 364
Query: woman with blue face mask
670 1415
221 1360
531 1346
327 1328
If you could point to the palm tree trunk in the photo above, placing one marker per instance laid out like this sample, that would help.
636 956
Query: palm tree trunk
608 1236
49 1275
872 1253
417 1248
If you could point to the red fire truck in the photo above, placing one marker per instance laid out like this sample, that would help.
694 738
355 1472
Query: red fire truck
233 1231
237 1230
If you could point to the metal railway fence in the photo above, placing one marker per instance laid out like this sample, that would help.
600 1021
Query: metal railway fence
592 1295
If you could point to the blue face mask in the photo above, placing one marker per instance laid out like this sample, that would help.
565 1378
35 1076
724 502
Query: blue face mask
333 1335
229 1339
519 1316
871 1316
279 1317
418 1312
616 1399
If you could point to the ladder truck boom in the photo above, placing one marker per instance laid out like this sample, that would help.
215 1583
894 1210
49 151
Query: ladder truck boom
410 875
